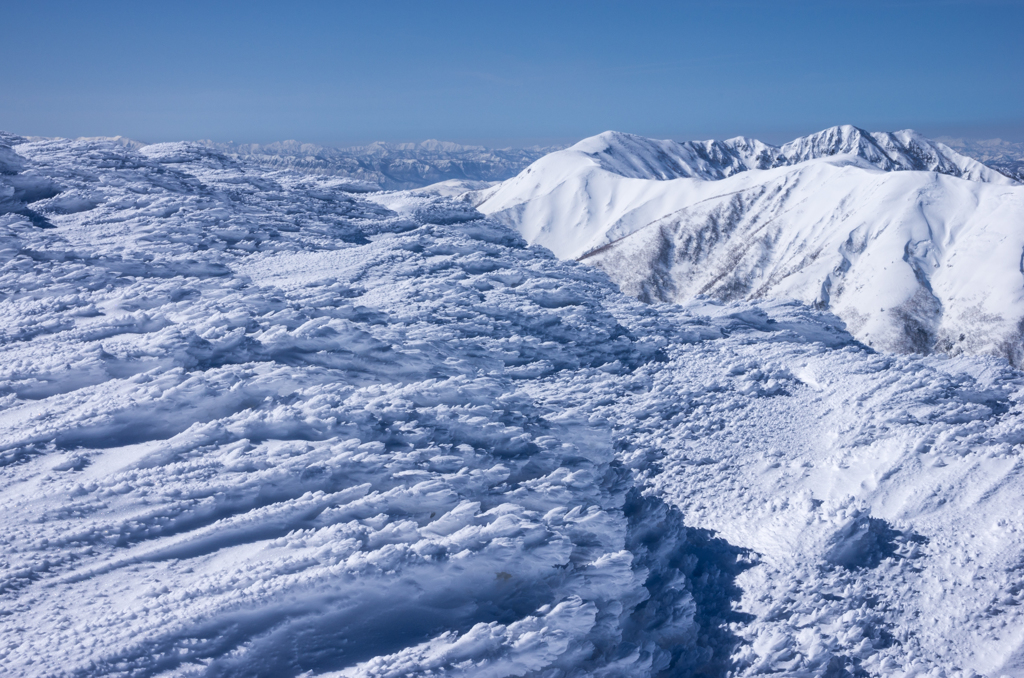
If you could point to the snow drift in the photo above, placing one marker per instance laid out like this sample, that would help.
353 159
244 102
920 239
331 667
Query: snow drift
915 247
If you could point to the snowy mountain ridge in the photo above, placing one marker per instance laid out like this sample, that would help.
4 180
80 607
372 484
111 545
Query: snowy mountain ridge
390 166
1005 156
915 246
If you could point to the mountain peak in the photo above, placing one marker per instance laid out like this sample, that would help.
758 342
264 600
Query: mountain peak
839 140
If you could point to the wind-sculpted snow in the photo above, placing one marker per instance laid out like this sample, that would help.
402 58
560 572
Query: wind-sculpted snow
916 247
264 427
254 424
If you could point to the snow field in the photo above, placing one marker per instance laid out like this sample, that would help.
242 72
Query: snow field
253 424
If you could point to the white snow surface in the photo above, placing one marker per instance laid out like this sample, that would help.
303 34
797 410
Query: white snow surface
916 247
256 425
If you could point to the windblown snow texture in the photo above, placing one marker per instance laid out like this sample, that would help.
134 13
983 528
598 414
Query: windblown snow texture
254 424
916 247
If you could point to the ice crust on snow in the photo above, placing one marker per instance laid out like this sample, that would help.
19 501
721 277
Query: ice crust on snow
916 247
255 423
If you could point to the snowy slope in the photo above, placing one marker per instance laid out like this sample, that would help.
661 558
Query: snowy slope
256 425
916 247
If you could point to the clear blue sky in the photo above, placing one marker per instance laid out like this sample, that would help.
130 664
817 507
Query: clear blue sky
517 72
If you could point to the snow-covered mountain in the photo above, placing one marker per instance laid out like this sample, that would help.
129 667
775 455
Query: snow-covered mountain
255 424
1005 156
374 167
916 247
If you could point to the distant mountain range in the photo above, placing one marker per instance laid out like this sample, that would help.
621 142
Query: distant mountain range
399 166
916 244
917 247
386 166
1005 156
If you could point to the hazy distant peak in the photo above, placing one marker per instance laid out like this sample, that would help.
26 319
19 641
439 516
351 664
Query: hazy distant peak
387 165
447 146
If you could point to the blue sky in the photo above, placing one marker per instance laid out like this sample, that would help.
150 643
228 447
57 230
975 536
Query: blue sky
510 73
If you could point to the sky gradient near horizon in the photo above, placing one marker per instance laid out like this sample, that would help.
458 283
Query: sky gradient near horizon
504 73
